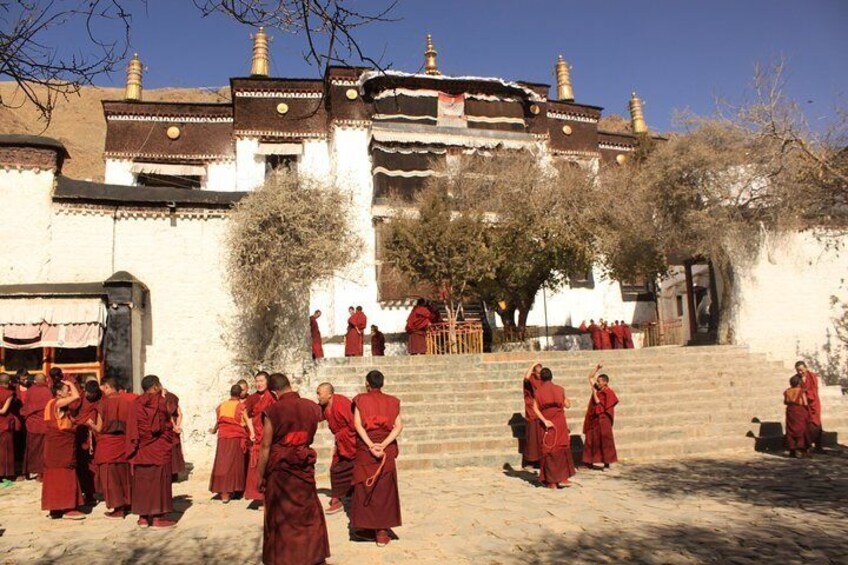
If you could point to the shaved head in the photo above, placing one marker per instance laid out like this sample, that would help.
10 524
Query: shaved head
325 393
40 378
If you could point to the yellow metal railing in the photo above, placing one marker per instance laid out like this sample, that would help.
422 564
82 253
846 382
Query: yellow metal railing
664 332
466 337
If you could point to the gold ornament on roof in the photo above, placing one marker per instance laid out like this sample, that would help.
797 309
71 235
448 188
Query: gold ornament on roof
534 109
351 94
173 132
430 66
261 60
637 117
563 75
282 108
134 73
621 158
566 130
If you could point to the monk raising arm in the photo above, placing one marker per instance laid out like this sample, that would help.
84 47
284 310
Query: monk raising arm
594 372
71 398
264 451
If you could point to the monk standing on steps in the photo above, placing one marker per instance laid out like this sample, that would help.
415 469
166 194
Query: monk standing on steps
113 471
150 436
375 507
355 338
599 446
60 489
378 342
315 333
810 385
7 429
338 411
557 464
37 397
295 530
416 328
234 429
532 453
255 405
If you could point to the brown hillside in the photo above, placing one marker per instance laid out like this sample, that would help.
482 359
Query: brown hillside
78 121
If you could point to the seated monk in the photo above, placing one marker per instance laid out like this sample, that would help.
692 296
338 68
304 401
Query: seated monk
150 437
234 429
113 471
416 328
375 506
254 406
7 429
338 411
797 418
549 405
295 530
599 446
532 452
60 488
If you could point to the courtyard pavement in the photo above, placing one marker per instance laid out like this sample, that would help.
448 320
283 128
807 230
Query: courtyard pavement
749 508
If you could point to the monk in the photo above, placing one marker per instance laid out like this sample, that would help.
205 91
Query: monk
113 471
172 402
85 445
245 389
37 397
295 528
550 403
378 342
797 418
616 339
532 453
595 333
356 325
234 430
627 335
338 411
416 328
375 506
599 446
60 489
150 438
7 429
315 331
583 327
254 406
606 343
810 384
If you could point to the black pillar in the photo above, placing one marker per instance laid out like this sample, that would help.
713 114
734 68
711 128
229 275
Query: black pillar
690 299
124 294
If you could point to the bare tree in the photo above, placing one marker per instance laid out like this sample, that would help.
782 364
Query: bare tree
46 70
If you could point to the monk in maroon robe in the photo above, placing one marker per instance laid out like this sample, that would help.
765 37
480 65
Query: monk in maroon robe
150 438
172 402
627 335
616 337
113 471
86 468
38 395
378 342
7 429
532 453
583 327
416 328
810 385
254 406
797 418
599 446
557 464
295 529
315 332
595 333
60 489
354 339
233 428
606 343
375 506
338 411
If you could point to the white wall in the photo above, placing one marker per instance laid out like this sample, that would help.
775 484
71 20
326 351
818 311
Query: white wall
25 225
221 176
119 171
250 166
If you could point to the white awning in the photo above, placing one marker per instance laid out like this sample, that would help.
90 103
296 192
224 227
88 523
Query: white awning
53 311
169 169
280 149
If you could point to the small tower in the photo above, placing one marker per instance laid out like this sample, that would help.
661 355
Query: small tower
261 61
637 118
430 66
563 76
134 72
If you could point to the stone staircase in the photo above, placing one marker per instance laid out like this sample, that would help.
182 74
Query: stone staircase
468 410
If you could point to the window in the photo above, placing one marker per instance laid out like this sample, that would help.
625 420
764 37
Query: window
276 162
15 359
679 305
62 356
172 181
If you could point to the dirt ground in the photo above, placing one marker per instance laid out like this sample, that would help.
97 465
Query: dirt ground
736 509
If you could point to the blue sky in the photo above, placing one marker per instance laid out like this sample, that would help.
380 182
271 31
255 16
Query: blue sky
675 54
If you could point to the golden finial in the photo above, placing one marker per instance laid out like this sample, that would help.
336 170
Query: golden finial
430 66
261 61
637 118
134 71
563 76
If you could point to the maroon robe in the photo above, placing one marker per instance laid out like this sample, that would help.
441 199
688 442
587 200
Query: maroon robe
315 331
113 471
60 489
532 427
583 327
557 464
85 446
255 405
356 325
228 471
811 388
627 336
339 416
150 439
378 344
599 446
595 332
416 328
616 337
375 507
797 419
178 466
295 528
7 435
37 397
605 338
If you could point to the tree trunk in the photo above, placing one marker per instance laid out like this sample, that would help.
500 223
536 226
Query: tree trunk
523 312
728 301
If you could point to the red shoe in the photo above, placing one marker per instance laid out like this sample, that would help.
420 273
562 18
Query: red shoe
335 506
566 483
143 521
117 513
382 538
225 497
73 515
163 523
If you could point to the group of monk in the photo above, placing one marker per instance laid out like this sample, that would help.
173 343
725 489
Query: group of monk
83 439
265 452
547 438
617 335
803 412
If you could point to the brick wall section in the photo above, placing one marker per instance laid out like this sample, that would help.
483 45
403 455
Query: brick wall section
27 158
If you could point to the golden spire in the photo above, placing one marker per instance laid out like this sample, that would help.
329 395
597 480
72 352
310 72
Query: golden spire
637 118
430 66
134 71
563 75
261 61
